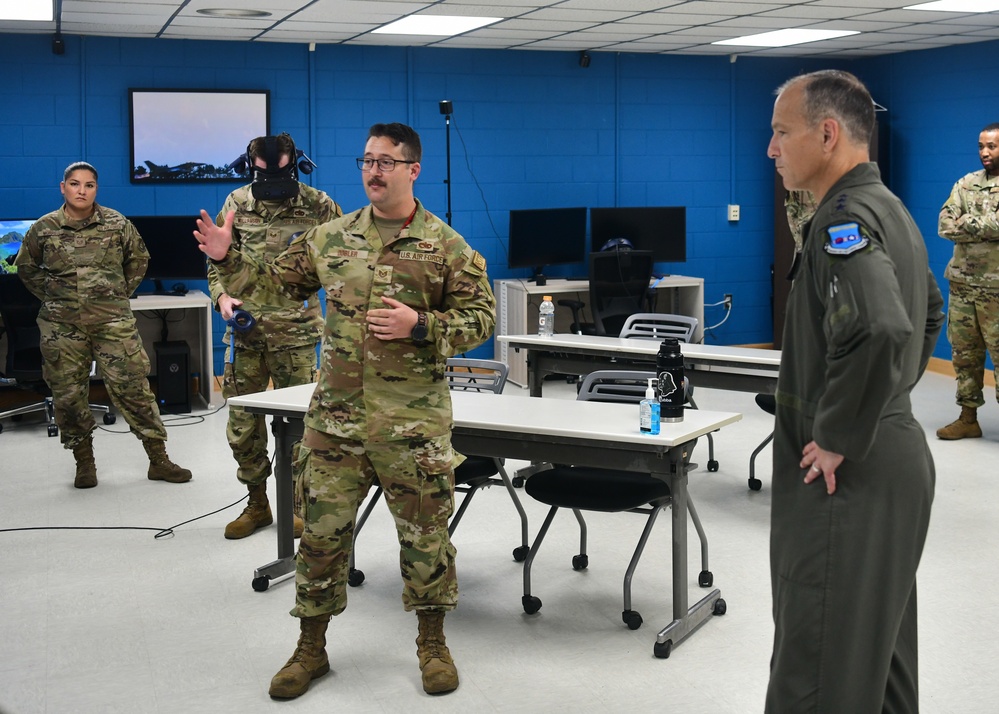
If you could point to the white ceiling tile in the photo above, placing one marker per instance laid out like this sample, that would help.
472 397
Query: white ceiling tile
671 26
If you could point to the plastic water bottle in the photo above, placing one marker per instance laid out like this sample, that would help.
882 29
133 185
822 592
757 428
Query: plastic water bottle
648 411
546 317
669 368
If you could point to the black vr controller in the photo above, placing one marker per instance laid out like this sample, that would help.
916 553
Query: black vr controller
241 321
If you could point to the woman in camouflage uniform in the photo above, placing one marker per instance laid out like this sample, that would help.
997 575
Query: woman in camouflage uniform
83 261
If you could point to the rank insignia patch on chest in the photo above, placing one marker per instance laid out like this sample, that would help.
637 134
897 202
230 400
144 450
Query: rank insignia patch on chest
845 239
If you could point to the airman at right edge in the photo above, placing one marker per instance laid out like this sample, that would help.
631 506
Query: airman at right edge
970 218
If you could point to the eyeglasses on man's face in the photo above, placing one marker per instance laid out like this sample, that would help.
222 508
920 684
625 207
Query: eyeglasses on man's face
384 165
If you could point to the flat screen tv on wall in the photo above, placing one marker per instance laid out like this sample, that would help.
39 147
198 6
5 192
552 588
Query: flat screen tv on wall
12 232
187 135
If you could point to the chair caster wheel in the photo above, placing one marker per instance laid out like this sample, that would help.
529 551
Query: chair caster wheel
662 649
706 579
720 607
712 465
531 604
580 562
261 584
520 554
755 484
109 418
355 577
632 619
517 481
53 430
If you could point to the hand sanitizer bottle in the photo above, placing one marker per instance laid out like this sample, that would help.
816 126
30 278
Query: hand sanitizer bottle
648 411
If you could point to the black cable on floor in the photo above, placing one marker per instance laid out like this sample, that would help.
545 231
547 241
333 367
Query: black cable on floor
160 532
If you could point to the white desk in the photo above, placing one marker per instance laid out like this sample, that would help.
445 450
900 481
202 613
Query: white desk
741 369
517 309
189 318
521 427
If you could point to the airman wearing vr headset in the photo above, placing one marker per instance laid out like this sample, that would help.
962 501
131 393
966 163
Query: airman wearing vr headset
280 345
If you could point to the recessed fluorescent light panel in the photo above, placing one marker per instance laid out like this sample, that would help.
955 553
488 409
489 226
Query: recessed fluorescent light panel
437 25
957 6
34 10
785 38
231 12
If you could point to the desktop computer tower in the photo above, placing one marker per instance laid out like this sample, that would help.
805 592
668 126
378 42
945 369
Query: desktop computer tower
173 377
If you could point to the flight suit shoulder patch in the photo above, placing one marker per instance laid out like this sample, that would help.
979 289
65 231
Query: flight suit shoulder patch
845 239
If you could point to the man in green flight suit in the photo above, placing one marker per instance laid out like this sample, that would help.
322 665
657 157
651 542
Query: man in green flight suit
404 292
853 477
279 346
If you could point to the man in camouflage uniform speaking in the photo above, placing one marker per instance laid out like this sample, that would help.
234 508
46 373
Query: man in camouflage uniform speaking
82 262
280 347
403 293
970 218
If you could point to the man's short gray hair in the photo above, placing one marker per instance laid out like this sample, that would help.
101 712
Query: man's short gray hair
832 93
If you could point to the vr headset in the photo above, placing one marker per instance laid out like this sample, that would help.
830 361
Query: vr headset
274 182
617 244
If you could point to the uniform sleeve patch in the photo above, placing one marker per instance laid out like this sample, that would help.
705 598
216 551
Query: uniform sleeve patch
845 239
478 261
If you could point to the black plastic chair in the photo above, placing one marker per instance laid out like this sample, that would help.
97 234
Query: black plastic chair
475 472
768 403
609 490
657 326
23 366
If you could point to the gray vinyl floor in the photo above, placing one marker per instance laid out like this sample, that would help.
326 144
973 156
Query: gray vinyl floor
98 615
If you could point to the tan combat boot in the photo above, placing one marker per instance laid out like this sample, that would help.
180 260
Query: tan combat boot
161 468
964 427
439 673
257 514
309 661
86 468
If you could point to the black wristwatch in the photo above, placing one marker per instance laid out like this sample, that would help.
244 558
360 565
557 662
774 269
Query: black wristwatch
419 333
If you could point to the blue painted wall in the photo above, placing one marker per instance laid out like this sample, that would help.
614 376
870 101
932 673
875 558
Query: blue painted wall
528 130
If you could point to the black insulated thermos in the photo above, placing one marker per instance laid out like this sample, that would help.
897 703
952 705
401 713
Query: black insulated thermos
669 369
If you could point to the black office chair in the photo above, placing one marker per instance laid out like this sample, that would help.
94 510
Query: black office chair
475 472
607 490
619 288
768 403
23 367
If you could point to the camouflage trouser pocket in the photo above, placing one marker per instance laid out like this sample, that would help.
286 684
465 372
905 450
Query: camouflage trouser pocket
435 462
300 466
122 357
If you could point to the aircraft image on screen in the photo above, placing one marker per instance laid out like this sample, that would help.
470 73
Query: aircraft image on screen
189 170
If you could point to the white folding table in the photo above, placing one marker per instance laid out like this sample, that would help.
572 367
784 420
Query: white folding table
521 427
741 369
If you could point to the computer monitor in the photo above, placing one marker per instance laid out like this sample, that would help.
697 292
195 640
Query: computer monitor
12 232
173 251
661 229
547 236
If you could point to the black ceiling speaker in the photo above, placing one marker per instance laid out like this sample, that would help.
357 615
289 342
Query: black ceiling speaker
584 59
58 44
